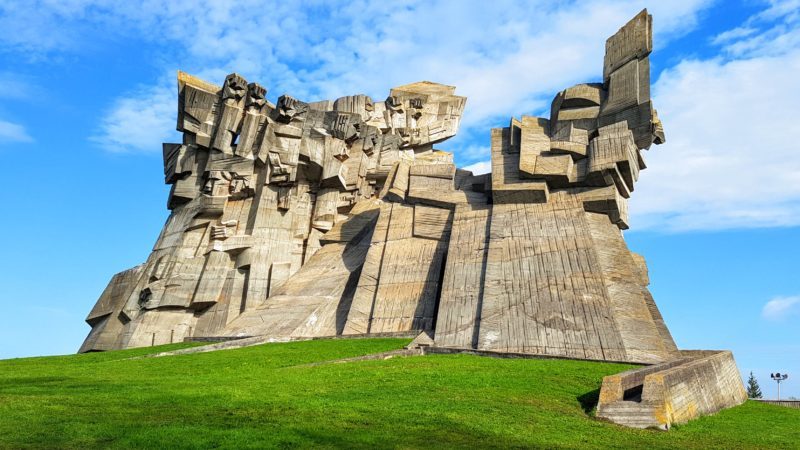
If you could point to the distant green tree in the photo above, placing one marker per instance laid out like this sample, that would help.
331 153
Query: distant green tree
753 389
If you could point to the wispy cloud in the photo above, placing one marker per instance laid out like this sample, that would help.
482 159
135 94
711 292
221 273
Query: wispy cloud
13 133
139 122
781 308
479 167
15 86
730 157
729 161
773 31
731 35
507 57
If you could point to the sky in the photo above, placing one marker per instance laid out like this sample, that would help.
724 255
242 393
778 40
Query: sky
88 94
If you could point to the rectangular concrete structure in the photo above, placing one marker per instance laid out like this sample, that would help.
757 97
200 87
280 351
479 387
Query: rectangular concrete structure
695 384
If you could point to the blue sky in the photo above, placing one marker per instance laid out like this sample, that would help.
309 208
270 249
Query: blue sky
88 93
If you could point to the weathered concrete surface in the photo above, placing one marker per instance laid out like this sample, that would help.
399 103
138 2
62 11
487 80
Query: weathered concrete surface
274 209
298 220
695 384
313 302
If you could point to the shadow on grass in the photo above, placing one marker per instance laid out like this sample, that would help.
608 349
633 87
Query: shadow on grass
33 384
589 401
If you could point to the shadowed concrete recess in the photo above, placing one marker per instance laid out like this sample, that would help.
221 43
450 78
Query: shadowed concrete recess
340 218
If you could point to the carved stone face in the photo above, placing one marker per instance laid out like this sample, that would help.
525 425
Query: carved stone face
289 108
424 113
213 184
235 87
256 96
394 104
345 126
144 296
370 137
239 186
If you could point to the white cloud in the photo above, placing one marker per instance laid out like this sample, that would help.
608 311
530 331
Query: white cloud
730 160
13 133
730 35
479 167
774 30
140 122
507 57
15 86
780 308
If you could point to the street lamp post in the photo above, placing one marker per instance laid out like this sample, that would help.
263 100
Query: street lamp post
778 377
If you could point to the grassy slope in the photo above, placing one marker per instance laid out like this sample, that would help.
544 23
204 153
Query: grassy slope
266 396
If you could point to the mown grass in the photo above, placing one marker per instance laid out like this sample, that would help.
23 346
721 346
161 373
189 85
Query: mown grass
268 396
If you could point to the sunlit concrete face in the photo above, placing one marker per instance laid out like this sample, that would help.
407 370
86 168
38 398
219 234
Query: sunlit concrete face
331 218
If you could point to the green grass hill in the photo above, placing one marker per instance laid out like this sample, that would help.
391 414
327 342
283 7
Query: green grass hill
273 395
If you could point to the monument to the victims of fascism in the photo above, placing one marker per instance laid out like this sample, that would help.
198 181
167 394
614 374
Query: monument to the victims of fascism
340 218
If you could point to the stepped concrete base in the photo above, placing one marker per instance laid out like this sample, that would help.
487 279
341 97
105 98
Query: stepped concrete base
786 403
698 383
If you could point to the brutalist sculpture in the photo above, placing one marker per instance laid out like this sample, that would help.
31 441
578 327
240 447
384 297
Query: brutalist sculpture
340 218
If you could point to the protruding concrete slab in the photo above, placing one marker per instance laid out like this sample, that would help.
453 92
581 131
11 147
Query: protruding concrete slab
695 384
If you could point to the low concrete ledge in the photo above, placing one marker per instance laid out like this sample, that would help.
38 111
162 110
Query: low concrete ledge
786 403
214 338
697 383
268 338
436 350
229 343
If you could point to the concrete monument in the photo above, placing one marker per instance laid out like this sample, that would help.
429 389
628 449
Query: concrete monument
329 218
